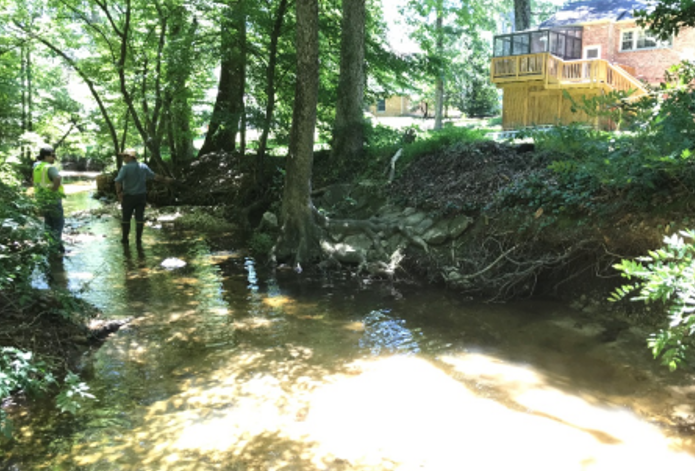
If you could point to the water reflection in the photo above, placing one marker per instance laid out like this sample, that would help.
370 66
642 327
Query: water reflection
385 334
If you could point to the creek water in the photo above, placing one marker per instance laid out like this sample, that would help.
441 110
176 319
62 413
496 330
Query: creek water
227 366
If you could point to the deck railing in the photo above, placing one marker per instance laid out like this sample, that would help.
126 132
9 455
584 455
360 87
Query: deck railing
556 72
515 67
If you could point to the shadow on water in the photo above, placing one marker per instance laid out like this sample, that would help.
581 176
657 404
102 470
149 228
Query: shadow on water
227 366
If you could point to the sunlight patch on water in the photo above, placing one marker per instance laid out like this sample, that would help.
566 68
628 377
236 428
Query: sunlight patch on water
277 301
399 412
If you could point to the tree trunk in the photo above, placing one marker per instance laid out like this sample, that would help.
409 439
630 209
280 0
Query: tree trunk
270 86
30 93
179 68
241 87
439 81
298 236
522 15
124 139
146 125
348 130
25 151
224 123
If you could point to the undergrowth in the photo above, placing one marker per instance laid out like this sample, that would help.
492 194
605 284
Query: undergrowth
23 249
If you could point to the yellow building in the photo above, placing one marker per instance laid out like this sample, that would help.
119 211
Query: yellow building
396 105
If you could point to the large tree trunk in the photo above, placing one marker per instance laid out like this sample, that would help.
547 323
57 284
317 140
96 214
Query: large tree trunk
270 86
522 15
439 81
179 68
298 235
348 131
224 123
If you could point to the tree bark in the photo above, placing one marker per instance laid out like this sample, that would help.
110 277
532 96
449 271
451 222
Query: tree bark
224 123
179 67
25 152
348 130
298 235
270 86
522 15
439 81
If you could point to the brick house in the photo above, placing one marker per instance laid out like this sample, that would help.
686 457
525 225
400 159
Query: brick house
587 48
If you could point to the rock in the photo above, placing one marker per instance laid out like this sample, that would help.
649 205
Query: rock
458 225
423 226
172 263
352 250
389 212
101 329
396 241
359 242
438 233
334 195
412 219
269 221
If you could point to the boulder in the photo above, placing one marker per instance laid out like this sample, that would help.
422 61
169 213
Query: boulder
458 225
438 233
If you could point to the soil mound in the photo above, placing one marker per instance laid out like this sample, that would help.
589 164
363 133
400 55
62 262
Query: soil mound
465 176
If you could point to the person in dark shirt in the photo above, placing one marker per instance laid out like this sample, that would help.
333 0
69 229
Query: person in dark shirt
131 188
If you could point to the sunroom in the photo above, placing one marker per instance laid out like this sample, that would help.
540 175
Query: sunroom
565 43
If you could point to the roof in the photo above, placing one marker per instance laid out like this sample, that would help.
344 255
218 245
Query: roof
590 11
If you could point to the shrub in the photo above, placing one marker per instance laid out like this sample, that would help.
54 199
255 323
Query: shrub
21 371
22 245
22 249
667 276
261 244
445 137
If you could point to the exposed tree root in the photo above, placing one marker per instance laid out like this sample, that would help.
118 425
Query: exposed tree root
501 272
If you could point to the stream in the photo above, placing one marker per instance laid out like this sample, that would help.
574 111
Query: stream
229 366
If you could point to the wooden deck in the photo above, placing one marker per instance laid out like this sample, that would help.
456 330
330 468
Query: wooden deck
533 87
559 74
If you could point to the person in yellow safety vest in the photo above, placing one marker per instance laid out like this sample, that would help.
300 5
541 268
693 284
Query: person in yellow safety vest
49 193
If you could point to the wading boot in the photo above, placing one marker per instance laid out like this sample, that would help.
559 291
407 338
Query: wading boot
139 227
125 227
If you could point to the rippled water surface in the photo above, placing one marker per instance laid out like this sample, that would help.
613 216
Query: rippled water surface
228 366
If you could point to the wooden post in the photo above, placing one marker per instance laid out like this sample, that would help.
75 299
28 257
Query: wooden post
560 65
526 100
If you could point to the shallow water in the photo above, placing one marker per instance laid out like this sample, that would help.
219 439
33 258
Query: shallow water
228 366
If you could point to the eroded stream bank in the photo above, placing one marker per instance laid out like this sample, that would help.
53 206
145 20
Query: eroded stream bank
225 366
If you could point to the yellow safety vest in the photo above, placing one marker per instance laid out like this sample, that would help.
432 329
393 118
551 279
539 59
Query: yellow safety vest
43 185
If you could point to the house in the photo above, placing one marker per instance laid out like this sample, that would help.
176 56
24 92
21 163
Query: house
588 48
396 105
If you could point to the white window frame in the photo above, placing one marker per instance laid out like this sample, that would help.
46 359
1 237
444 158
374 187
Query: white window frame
635 35
598 47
